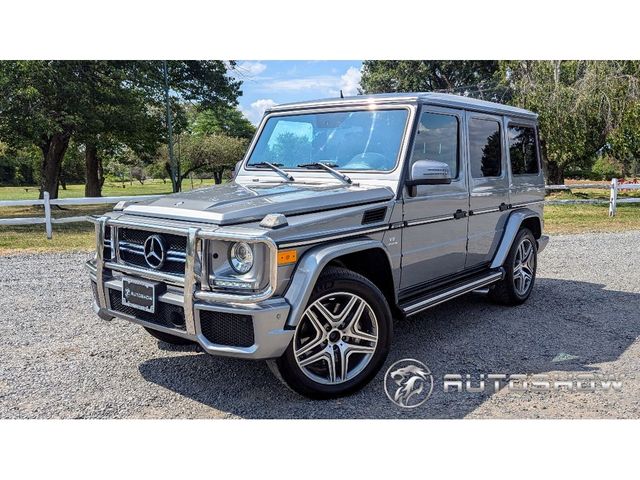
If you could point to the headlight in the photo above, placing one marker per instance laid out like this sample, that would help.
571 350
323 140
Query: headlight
241 257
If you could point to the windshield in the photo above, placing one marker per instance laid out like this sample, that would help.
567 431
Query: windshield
352 140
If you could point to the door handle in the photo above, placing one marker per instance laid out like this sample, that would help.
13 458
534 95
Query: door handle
459 214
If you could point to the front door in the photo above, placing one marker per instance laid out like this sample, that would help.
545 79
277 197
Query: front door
434 239
489 187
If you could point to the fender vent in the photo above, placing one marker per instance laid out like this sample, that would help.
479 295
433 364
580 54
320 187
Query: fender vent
373 216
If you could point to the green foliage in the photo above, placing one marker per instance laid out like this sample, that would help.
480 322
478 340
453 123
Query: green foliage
225 120
477 76
104 106
211 154
583 106
606 167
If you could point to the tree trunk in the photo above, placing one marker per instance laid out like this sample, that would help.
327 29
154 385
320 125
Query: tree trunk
217 176
93 165
555 174
53 150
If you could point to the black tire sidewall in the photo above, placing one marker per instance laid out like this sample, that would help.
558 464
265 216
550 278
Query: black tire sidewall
342 280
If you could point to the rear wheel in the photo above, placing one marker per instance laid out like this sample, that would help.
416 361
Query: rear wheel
520 271
342 339
168 338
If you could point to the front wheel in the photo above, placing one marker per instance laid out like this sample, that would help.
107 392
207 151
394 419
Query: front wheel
342 339
520 271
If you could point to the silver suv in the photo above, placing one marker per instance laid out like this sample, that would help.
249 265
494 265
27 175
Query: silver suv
344 214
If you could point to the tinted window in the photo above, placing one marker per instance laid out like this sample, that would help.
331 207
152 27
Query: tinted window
522 150
484 148
437 139
349 140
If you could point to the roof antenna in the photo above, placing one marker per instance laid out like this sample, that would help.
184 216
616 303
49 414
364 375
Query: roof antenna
341 95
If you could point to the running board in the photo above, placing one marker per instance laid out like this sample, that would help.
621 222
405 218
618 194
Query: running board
443 294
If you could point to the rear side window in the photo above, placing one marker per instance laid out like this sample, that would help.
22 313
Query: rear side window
437 139
485 153
522 150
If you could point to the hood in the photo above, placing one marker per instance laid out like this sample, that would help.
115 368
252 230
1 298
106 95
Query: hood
233 203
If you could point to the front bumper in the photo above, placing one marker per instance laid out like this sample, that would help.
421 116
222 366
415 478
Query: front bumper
225 325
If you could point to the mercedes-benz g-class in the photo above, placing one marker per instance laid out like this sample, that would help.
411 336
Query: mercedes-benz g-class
344 214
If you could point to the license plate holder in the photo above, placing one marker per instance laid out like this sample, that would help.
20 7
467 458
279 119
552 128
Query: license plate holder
140 294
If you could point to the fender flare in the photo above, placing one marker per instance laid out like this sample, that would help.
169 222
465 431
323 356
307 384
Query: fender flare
511 229
311 265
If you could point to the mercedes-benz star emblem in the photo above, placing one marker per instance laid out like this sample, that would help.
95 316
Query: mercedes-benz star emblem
154 251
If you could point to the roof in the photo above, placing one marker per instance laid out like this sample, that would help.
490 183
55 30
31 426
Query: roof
431 98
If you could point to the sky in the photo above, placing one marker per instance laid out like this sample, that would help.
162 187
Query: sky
267 83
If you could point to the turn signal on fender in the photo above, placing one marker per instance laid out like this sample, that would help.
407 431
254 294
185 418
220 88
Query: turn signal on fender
286 257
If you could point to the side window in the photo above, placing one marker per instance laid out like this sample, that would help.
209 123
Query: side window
485 152
437 139
522 150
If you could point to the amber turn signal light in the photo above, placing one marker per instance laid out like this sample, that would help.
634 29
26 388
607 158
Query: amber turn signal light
286 257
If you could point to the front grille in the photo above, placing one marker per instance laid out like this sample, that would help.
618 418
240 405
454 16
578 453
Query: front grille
227 328
166 315
106 251
131 248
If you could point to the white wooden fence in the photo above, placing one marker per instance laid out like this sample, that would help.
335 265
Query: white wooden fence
614 187
49 221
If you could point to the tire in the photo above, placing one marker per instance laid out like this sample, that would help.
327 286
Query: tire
515 289
347 317
168 338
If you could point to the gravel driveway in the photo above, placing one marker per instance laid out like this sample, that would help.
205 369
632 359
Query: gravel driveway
60 361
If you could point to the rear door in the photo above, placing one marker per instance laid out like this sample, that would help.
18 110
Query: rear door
434 241
488 185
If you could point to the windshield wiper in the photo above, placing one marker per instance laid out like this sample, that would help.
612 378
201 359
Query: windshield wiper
329 169
273 167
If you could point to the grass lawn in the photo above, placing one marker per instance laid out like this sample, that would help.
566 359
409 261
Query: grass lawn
590 218
558 218
110 189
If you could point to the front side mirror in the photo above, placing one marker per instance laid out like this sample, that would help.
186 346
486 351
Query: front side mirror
429 172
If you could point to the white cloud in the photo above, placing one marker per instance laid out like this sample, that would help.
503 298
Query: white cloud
350 82
250 68
256 110
322 82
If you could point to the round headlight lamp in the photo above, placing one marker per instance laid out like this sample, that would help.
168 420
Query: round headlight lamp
241 257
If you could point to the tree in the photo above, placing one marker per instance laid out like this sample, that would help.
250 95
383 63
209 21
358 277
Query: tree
479 77
46 103
211 153
203 83
583 107
120 116
102 104
224 120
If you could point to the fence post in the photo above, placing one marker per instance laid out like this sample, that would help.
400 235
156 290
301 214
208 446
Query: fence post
613 197
47 216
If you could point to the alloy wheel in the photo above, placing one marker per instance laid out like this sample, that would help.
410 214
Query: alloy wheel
524 267
336 338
